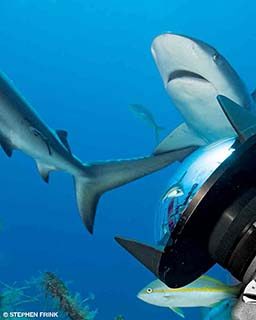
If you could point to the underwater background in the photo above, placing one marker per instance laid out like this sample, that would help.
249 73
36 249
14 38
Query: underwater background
81 63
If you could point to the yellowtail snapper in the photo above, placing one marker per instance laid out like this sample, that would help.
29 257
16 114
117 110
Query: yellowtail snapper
203 292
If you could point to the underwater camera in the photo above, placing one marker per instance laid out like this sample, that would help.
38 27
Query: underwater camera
213 218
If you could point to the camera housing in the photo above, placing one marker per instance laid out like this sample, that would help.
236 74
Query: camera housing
219 224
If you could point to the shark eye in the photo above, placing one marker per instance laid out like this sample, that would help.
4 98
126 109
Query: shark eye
149 290
215 57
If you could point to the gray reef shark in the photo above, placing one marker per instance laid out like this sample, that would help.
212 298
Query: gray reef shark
194 74
22 129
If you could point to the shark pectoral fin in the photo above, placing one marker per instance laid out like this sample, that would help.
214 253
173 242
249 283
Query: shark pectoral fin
8 149
181 137
63 135
44 170
101 177
242 120
178 311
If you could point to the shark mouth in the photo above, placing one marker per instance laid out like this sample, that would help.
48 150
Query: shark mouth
178 74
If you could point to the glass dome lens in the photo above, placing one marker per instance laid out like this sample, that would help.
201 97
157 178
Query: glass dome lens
187 180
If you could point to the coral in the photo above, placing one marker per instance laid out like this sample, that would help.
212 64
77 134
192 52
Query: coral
47 292
72 306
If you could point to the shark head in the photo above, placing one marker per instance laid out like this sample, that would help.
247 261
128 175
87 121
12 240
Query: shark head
190 65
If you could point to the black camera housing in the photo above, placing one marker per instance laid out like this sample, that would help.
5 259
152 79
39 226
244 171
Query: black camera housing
218 225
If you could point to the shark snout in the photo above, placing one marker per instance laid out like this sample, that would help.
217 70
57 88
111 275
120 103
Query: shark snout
177 55
168 51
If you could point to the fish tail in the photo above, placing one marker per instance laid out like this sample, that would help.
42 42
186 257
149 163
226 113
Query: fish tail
98 178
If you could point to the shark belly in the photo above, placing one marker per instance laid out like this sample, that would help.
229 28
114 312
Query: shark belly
196 99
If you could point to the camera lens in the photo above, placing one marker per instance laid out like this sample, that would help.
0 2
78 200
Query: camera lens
232 242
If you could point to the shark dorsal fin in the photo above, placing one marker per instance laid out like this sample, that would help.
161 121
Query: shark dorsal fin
63 135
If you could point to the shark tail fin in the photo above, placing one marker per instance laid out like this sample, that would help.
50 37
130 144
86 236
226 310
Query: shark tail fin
98 178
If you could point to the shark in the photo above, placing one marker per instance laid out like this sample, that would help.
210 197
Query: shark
22 129
194 74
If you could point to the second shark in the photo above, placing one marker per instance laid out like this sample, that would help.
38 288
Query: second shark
22 129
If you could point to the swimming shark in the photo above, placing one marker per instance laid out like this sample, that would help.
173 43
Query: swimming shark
22 129
194 74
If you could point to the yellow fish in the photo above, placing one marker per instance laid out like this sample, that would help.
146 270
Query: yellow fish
203 292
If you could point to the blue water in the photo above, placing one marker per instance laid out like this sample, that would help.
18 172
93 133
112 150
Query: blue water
80 64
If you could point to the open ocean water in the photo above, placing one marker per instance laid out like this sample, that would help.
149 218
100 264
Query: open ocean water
80 63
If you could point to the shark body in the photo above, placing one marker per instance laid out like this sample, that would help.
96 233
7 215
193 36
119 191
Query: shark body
22 129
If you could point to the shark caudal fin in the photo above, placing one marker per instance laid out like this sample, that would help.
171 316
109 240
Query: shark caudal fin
101 177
